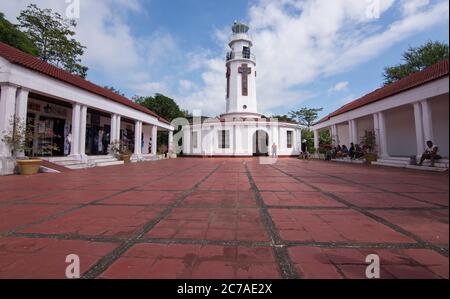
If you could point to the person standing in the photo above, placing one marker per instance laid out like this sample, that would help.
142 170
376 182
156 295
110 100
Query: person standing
274 150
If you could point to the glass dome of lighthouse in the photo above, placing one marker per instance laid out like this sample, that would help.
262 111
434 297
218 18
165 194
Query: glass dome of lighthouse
239 28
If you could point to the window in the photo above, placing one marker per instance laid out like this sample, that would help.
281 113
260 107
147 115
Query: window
194 139
246 52
289 138
224 139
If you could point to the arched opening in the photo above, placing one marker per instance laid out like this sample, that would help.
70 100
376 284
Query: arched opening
260 143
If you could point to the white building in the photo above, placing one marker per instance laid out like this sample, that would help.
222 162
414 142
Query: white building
59 104
241 131
403 116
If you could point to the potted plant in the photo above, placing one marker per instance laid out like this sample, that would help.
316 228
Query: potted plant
120 151
18 139
369 147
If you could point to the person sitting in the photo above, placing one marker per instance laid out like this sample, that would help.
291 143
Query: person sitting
351 151
334 153
338 152
431 153
359 153
344 151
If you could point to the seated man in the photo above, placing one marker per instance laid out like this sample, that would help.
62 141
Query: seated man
431 153
359 153
344 151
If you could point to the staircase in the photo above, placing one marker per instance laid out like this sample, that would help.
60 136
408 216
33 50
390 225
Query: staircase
404 162
88 162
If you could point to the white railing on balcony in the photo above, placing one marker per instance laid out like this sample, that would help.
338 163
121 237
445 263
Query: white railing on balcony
240 55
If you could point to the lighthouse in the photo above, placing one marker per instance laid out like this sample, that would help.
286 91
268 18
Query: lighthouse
241 131
240 74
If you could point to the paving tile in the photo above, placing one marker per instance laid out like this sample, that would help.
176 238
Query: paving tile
332 226
332 263
431 226
118 221
217 199
15 216
194 261
46 258
305 199
381 200
157 198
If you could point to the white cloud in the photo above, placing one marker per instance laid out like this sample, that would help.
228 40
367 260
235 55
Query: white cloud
412 6
186 85
124 59
149 88
341 86
298 42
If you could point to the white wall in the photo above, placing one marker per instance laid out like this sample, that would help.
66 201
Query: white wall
343 133
439 111
401 132
364 124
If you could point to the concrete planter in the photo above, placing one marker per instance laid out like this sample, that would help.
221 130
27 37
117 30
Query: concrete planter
29 167
370 157
126 158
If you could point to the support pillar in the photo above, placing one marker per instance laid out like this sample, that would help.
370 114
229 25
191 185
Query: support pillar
7 108
75 146
353 132
83 118
154 139
383 136
420 137
427 122
316 139
171 141
137 137
118 126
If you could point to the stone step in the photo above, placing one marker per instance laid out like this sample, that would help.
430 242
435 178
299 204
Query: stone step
427 168
381 163
108 163
349 161
78 166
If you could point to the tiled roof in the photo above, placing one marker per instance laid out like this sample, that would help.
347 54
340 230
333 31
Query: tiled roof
18 57
429 74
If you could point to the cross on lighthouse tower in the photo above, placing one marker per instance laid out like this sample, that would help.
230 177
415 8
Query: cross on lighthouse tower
241 74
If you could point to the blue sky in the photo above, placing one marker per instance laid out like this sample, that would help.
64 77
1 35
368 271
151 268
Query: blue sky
314 53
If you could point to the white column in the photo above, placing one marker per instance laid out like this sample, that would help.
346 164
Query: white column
7 110
118 126
171 141
427 122
154 137
420 139
112 133
136 138
83 117
316 139
299 141
22 104
383 136
376 128
75 146
353 131
334 135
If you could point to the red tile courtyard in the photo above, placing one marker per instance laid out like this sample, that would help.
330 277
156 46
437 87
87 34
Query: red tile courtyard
226 218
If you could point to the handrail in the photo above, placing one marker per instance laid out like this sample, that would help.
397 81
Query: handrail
240 55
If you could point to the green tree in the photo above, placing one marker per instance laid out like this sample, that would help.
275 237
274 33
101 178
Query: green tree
114 90
11 35
52 35
282 118
306 116
162 105
415 60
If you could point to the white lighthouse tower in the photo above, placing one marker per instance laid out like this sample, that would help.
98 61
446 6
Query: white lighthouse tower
241 131
241 74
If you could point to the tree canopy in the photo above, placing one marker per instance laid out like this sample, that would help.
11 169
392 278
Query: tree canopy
305 116
52 35
283 118
162 105
11 35
416 59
